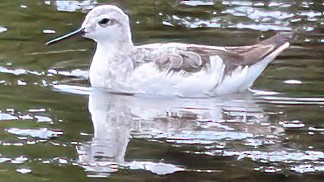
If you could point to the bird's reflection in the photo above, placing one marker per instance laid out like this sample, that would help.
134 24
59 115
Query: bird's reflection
119 118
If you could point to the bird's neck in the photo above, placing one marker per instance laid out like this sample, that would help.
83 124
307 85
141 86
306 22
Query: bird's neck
120 41
112 52
111 64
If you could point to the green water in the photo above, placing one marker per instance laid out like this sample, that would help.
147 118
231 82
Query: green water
53 127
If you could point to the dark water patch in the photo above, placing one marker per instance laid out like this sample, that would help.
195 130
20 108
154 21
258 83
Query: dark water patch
55 127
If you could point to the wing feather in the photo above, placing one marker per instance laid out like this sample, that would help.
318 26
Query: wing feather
174 57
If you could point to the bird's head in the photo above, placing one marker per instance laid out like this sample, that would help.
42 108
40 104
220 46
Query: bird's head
104 24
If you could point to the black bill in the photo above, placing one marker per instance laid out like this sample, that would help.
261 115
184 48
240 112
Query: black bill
71 34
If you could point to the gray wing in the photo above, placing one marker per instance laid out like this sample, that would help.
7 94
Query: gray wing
193 58
184 58
171 58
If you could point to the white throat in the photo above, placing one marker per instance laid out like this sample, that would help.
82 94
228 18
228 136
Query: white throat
111 65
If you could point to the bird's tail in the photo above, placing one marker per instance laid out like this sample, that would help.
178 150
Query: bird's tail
278 40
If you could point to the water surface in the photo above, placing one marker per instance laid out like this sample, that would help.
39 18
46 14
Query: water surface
55 127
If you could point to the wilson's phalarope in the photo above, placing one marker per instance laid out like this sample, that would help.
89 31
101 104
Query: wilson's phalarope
172 68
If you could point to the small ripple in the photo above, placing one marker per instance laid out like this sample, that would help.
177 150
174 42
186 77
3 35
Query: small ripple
11 114
24 170
308 168
261 27
293 100
26 117
166 23
203 137
3 29
293 82
72 6
45 119
277 4
255 14
4 159
42 133
218 23
259 142
310 13
74 73
157 168
197 3
271 169
37 110
19 160
23 6
21 82
6 117
263 92
48 31
296 124
61 160
55 52
73 89
316 129
237 2
277 156
19 71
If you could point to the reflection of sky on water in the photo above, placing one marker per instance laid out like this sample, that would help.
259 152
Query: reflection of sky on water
248 15
31 144
233 126
260 16
3 29
72 6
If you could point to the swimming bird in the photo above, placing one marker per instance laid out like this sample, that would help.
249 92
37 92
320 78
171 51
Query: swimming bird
176 69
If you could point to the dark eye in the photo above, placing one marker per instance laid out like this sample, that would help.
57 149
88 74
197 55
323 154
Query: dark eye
104 22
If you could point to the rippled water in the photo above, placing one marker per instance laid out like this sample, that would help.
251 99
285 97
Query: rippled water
55 127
